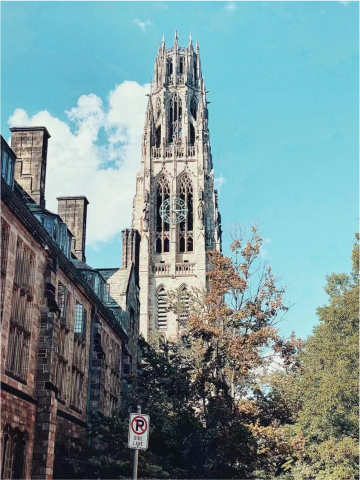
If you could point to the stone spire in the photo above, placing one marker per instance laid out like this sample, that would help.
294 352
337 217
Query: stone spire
176 164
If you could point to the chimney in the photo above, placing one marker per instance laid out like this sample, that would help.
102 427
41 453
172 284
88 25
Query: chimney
73 211
30 146
131 250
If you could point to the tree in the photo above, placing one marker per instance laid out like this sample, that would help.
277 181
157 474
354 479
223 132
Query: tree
163 390
230 336
200 392
318 396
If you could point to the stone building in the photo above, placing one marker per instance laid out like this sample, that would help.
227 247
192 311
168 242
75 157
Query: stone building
175 207
123 298
62 349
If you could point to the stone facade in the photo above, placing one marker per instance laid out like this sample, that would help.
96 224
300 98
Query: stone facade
123 298
176 163
62 348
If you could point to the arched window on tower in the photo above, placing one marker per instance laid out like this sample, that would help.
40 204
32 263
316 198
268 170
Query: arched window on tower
193 107
169 66
186 235
175 118
162 228
161 309
158 109
195 70
182 65
191 134
184 306
158 137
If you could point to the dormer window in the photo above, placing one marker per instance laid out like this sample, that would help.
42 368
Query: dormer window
7 164
48 225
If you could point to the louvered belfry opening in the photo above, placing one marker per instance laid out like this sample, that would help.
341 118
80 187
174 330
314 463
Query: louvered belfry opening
161 309
184 306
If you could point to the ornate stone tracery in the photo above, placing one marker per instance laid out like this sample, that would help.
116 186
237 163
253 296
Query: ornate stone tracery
162 228
186 227
179 156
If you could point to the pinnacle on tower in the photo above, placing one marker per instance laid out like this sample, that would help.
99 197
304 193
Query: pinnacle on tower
190 39
163 41
176 38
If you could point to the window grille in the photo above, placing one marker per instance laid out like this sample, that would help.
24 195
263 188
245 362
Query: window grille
162 228
62 299
80 320
79 360
64 303
185 228
21 314
5 232
2 294
24 266
161 309
113 355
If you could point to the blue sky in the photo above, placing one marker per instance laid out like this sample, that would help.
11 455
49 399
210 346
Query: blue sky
283 81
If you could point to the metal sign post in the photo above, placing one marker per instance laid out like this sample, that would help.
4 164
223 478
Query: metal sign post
138 438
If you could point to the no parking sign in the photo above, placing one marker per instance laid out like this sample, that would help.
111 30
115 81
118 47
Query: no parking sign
138 431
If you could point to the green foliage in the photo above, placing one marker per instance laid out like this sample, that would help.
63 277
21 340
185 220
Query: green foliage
320 398
208 419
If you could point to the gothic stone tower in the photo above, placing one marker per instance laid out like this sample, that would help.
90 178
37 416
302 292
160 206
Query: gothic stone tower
175 207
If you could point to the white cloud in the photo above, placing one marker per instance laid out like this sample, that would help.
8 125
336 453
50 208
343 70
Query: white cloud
142 25
219 182
345 3
79 164
230 6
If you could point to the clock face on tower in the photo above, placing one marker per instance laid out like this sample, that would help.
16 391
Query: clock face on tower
173 210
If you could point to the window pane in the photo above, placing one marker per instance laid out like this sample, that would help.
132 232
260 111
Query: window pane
62 300
4 162
79 312
48 225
